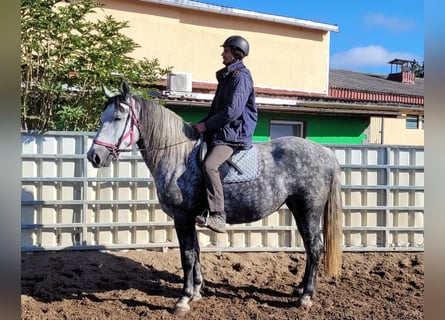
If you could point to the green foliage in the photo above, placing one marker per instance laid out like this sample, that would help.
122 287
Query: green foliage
418 69
69 118
66 56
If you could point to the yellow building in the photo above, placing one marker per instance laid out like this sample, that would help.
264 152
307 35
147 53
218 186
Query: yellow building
289 61
285 53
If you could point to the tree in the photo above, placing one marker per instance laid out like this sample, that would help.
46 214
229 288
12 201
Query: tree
66 57
418 69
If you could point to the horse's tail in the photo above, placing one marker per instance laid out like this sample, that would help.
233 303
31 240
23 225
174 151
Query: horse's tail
332 225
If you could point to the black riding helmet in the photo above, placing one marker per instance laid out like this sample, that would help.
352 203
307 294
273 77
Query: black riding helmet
238 42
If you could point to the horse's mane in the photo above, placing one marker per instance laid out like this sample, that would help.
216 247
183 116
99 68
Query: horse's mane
164 133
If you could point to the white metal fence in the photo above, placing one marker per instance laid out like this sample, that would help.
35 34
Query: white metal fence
67 204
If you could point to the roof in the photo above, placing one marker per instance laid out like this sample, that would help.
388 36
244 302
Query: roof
350 93
400 61
195 5
373 83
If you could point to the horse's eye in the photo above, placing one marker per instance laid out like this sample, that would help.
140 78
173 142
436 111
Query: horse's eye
117 119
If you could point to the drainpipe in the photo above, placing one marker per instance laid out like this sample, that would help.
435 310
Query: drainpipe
382 131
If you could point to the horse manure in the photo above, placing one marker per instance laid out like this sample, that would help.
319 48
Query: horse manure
237 267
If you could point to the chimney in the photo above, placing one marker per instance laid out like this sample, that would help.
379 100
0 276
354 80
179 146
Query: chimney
403 71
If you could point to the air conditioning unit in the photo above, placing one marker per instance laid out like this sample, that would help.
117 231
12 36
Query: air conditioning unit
180 82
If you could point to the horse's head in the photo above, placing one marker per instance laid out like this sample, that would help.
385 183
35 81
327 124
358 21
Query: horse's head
119 127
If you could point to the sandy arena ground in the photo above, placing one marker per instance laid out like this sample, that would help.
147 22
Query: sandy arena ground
146 284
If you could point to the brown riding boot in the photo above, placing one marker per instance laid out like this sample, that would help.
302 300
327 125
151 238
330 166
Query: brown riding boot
215 221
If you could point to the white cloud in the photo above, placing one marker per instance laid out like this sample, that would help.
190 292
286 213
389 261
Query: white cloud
392 24
369 56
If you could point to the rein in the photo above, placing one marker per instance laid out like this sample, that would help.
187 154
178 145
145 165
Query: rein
114 148
154 149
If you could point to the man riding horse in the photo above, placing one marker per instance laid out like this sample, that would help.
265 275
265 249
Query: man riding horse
228 127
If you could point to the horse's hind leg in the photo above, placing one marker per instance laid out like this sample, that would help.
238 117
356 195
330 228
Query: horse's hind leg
308 223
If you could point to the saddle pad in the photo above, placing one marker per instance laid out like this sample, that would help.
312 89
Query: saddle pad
193 161
247 160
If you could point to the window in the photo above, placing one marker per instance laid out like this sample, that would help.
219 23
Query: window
280 128
412 122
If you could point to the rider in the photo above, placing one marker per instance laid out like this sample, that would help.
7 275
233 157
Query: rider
228 127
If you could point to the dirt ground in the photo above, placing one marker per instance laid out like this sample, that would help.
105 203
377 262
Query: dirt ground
146 284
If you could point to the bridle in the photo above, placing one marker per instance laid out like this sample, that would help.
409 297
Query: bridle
114 148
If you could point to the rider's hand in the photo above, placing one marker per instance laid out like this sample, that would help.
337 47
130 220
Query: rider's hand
200 127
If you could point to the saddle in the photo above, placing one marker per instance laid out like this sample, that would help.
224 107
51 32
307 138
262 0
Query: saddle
242 166
203 152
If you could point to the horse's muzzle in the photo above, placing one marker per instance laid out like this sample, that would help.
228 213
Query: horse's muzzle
99 156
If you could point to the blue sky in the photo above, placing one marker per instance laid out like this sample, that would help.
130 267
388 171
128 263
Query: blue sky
371 32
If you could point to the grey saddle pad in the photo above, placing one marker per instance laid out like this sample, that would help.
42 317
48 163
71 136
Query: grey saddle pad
247 161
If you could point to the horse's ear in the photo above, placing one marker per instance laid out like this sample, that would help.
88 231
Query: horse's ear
107 92
125 89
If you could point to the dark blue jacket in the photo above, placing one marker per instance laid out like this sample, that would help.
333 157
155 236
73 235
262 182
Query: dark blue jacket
233 114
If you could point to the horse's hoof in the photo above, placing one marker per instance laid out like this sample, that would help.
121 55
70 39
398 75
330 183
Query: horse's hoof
305 301
298 291
181 307
196 297
180 311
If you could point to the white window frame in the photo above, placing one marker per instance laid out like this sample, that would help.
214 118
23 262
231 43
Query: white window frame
410 120
300 124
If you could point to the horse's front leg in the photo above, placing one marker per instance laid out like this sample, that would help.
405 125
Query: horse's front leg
189 247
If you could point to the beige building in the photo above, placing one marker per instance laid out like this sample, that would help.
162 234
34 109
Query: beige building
285 53
402 102
289 59
394 130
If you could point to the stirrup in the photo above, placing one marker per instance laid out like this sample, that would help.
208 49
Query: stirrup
217 226
205 215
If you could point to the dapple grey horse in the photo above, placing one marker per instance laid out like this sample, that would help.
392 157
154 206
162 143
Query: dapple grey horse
297 172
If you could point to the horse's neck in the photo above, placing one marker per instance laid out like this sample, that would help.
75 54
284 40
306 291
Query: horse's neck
166 167
167 140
